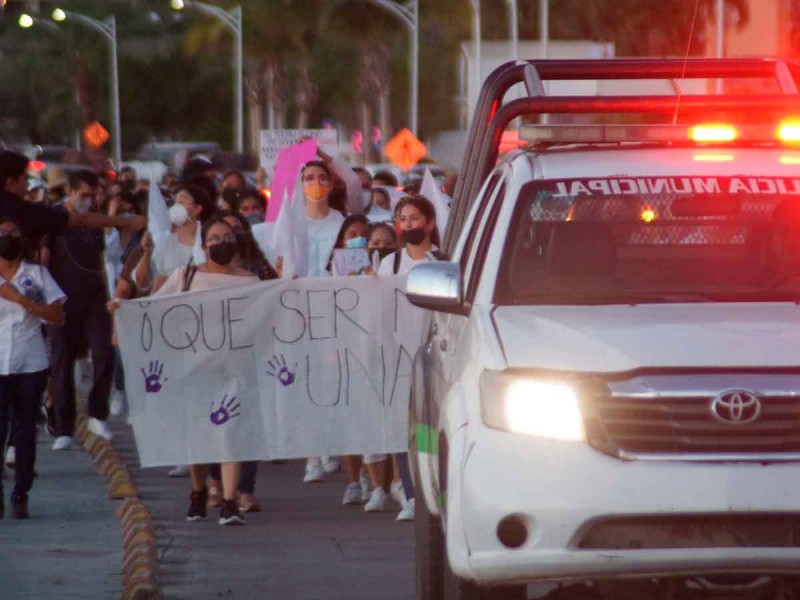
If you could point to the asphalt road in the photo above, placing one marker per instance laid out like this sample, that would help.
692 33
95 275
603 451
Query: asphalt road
304 544
71 547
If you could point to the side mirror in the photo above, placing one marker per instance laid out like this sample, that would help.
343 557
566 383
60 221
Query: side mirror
435 285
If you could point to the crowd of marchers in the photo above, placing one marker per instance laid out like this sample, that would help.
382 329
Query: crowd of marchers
73 244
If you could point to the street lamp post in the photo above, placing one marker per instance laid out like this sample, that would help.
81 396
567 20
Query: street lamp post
107 29
476 38
233 20
513 27
409 14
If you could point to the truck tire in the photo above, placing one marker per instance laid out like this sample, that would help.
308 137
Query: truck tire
429 549
461 589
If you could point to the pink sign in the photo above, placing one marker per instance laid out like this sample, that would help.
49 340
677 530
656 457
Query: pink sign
290 160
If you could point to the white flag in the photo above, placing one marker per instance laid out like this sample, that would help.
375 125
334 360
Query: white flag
158 223
430 190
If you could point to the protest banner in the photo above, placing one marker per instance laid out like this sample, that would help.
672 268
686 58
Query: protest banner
280 369
272 140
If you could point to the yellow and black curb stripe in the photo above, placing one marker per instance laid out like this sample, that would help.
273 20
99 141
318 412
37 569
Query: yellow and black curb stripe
140 561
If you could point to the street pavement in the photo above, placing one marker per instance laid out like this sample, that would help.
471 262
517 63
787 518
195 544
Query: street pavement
304 545
71 547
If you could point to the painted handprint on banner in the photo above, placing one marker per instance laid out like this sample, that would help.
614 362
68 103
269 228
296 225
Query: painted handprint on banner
279 369
152 377
228 409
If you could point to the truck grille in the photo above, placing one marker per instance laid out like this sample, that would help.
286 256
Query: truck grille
624 423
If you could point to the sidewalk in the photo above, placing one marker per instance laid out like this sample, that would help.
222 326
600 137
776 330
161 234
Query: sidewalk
71 547
304 545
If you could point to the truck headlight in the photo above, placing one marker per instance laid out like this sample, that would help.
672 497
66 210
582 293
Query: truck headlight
547 409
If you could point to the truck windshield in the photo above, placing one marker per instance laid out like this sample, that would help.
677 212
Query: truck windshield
653 240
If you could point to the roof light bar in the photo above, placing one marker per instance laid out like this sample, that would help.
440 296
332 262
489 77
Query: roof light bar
713 133
789 131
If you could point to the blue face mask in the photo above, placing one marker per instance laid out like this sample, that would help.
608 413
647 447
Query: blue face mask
359 242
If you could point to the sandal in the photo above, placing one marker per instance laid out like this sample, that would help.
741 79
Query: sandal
252 506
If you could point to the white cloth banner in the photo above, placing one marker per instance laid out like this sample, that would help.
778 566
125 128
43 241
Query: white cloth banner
280 369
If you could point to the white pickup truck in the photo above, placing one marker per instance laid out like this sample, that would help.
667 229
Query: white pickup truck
609 393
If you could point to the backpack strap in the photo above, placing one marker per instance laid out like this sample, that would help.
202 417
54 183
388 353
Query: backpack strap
398 256
188 275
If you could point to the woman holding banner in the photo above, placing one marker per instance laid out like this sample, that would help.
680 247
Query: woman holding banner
317 230
221 269
416 219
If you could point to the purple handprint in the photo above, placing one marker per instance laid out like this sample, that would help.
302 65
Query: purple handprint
152 377
225 412
278 368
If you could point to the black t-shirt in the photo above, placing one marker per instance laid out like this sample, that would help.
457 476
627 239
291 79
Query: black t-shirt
34 219
76 263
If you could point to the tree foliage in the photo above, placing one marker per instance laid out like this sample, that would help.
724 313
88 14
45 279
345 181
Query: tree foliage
175 71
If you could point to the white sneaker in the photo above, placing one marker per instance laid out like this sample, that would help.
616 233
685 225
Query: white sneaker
364 484
11 457
100 428
407 514
179 471
118 403
63 442
330 464
397 493
377 500
352 495
314 471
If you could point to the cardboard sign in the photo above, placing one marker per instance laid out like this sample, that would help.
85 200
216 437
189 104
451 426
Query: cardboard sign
347 261
271 141
287 167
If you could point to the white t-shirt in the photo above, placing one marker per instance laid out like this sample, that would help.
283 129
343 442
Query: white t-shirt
322 234
406 263
170 255
22 347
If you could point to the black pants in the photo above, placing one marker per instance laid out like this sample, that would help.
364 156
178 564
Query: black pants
89 326
22 394
247 482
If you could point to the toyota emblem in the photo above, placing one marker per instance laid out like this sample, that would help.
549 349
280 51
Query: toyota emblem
736 407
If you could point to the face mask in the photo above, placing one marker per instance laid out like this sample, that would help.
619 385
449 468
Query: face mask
413 236
223 253
359 242
383 252
316 192
178 214
255 218
83 206
10 247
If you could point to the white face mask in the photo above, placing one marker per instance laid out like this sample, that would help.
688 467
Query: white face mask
83 206
178 214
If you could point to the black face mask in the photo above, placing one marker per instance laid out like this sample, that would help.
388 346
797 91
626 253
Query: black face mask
231 197
413 236
223 253
10 247
383 252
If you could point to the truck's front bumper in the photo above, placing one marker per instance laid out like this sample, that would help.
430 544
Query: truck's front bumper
563 491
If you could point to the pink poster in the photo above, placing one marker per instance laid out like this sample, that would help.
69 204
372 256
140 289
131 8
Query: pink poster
290 161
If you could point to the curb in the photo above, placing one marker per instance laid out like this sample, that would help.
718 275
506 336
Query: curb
140 545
